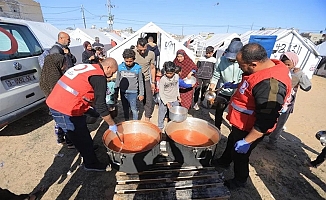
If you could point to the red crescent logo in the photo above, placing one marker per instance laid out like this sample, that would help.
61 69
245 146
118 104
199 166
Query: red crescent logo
14 44
85 66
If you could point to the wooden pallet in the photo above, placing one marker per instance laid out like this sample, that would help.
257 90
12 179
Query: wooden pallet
183 183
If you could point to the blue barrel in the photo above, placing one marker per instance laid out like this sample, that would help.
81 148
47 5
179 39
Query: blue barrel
267 41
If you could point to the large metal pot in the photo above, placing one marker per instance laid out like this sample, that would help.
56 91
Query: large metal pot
192 141
178 113
138 148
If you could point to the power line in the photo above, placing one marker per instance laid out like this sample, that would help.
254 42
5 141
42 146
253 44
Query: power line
52 13
62 12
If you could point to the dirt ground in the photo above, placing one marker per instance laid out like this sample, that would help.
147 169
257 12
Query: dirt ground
28 161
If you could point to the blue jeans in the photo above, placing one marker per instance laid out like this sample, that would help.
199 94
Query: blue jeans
129 100
162 109
76 129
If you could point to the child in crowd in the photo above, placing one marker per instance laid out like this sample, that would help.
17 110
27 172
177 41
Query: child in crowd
129 81
110 97
299 79
156 95
168 91
204 74
182 83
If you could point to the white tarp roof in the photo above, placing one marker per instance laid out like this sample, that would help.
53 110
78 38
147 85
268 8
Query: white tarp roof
82 35
321 48
219 40
125 35
114 37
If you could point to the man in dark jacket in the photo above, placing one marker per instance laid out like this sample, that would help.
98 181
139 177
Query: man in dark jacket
61 47
151 46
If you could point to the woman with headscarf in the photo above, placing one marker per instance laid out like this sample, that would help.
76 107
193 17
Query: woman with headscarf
299 79
187 65
88 56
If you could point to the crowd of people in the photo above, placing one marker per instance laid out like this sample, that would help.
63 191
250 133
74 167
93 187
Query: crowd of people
260 93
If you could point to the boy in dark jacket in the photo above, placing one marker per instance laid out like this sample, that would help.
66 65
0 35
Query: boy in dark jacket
204 74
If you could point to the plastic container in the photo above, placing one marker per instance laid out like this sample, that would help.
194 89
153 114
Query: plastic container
267 41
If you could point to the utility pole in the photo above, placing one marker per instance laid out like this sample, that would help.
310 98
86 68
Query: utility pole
252 25
111 17
82 10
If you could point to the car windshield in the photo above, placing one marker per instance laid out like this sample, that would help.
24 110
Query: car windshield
17 41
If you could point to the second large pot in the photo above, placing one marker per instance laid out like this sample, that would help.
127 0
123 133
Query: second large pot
192 141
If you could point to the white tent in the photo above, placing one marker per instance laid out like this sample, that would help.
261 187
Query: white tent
290 40
114 37
47 35
321 48
167 45
321 68
220 42
124 35
82 35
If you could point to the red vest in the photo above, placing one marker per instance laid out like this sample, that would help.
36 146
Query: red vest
73 94
242 104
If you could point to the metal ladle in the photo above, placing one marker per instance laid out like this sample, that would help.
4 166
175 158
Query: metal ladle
122 142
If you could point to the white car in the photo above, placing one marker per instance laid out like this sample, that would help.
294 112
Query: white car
20 93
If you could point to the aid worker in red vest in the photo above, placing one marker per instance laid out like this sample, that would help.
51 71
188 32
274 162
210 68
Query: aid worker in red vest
253 109
82 86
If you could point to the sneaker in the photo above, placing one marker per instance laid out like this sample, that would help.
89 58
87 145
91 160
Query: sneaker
98 167
196 107
61 139
234 184
71 146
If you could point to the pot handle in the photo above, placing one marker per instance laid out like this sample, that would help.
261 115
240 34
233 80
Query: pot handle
113 158
195 151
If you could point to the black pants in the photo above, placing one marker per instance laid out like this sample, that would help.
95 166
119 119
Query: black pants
279 126
320 158
148 100
240 160
219 112
201 89
82 140
76 129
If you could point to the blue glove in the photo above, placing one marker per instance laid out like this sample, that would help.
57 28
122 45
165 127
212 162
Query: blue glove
113 128
230 85
242 146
